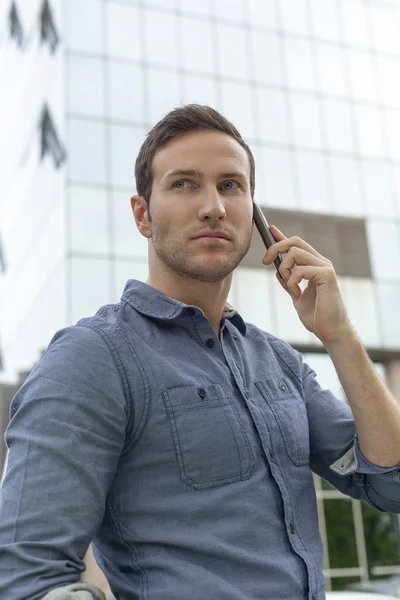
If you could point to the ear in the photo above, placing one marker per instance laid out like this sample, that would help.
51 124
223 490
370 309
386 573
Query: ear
140 214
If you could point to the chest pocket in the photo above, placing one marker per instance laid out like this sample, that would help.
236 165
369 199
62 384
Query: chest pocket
290 415
211 444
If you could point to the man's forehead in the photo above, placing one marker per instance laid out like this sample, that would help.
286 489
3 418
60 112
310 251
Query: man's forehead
202 151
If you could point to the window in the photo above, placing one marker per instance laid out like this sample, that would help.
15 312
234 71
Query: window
324 17
341 239
85 85
16 31
384 249
48 31
272 116
232 54
294 16
87 151
369 127
267 57
306 121
355 23
313 183
161 38
197 48
338 125
299 64
379 185
126 91
50 142
331 62
346 186
237 107
363 79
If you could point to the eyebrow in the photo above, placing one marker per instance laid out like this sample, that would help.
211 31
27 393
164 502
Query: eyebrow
199 174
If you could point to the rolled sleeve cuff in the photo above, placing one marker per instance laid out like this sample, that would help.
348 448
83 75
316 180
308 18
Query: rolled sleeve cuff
353 461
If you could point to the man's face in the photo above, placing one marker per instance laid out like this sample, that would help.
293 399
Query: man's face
201 183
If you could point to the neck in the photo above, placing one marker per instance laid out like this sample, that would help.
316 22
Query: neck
209 296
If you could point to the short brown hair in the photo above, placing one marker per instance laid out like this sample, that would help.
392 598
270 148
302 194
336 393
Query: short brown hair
192 117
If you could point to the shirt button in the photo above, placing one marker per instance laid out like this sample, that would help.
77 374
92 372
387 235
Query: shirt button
201 393
210 343
292 527
271 457
191 312
313 597
282 386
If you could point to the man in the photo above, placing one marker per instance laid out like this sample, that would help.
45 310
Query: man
179 438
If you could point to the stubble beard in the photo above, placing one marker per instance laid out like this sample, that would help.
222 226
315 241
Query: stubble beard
180 259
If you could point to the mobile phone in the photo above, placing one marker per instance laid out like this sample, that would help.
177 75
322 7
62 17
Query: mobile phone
265 233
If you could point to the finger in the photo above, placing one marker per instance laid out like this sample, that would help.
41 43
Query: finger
277 233
293 290
283 246
296 257
318 275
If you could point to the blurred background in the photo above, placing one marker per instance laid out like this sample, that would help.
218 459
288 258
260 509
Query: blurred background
314 88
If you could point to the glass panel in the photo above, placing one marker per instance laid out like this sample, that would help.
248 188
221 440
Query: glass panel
90 286
128 269
346 186
287 324
233 55
229 10
369 129
331 70
86 151
384 250
267 51
252 307
89 219
379 188
299 64
306 121
363 315
380 538
238 108
385 27
272 115
164 93
355 23
313 183
81 38
326 373
363 78
277 171
194 6
125 146
123 31
165 4
389 69
197 49
85 86
201 90
125 89
388 297
128 241
324 16
393 132
341 534
294 16
338 124
262 13
161 36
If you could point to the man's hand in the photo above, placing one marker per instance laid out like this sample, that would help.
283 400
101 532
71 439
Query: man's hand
320 306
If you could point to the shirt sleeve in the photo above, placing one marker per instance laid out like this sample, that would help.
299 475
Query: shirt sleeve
65 436
335 453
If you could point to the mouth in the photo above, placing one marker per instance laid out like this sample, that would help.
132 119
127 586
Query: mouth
211 235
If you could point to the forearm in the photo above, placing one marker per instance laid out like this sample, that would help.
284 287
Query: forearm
376 412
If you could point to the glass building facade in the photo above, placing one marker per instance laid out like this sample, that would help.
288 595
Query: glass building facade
314 88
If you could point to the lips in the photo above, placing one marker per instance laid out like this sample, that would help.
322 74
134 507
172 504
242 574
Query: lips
213 234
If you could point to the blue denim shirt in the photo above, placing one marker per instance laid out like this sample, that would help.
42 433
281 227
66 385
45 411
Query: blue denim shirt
186 457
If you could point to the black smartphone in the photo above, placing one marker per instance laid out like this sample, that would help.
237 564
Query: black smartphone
265 233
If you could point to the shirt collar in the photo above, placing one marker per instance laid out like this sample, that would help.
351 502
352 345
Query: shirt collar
155 304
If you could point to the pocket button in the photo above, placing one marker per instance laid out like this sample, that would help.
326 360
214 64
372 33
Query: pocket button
282 386
202 393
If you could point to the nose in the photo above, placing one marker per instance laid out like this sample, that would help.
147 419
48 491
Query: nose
212 207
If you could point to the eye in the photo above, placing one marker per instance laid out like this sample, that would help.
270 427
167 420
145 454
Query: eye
183 183
230 185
